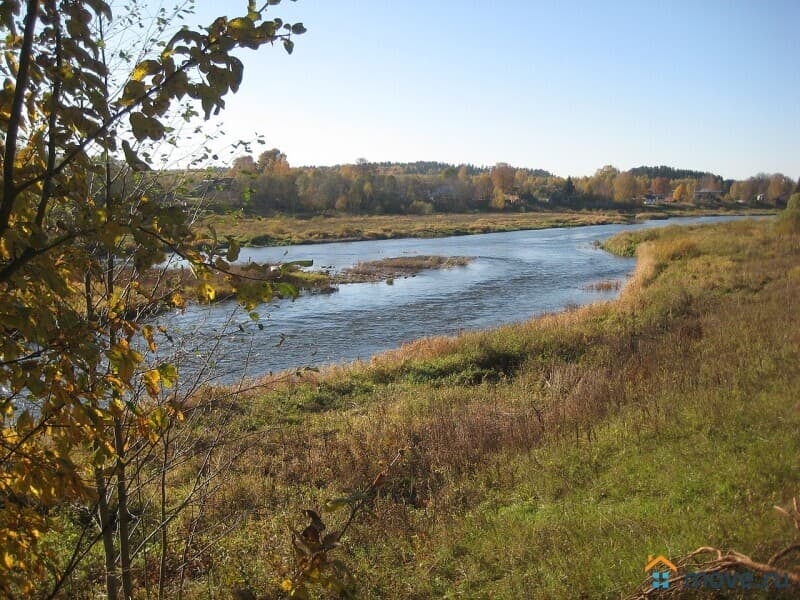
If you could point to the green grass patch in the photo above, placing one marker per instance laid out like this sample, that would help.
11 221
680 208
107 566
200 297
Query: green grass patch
545 459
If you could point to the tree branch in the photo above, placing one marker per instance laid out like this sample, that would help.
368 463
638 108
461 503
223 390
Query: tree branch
30 253
15 119
47 184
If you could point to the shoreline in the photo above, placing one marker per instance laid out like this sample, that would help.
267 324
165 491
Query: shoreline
254 232
538 436
620 287
287 378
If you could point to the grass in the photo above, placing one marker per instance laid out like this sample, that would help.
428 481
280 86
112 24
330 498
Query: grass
544 459
285 230
386 269
607 285
651 215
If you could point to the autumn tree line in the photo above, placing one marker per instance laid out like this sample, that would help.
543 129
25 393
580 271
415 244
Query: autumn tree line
269 185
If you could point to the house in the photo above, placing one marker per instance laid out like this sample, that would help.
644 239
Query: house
707 194
653 199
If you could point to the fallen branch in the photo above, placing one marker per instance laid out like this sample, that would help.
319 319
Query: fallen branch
725 562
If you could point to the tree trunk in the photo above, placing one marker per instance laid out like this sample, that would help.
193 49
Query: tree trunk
107 530
122 512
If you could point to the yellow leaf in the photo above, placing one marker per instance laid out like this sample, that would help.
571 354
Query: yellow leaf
8 560
151 382
207 292
145 68
337 504
178 301
115 406
147 334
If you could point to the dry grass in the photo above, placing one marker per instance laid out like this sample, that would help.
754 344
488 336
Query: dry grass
529 446
608 285
284 230
387 269
650 215
262 231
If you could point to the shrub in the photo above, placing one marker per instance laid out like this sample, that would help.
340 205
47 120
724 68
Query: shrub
789 219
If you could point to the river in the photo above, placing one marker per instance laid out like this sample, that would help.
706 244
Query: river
512 277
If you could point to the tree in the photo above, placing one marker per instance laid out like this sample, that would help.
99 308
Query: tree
710 182
449 173
498 199
778 188
569 188
602 182
625 187
680 193
273 161
502 177
483 191
244 165
660 186
81 388
735 192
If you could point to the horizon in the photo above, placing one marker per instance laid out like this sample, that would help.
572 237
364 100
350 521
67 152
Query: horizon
567 89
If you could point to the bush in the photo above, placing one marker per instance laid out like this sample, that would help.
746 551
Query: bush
420 207
789 219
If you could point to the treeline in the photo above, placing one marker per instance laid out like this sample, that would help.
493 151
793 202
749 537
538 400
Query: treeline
669 172
268 185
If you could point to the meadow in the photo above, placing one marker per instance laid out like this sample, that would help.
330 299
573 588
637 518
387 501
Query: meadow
538 460
282 230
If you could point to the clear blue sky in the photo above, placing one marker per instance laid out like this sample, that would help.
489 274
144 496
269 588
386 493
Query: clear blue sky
565 86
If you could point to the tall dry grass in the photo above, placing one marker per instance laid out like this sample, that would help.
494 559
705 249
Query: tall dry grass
708 315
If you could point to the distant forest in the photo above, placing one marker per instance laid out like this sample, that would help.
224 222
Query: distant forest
268 185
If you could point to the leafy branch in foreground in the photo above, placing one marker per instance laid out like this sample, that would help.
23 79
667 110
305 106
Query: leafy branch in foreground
88 404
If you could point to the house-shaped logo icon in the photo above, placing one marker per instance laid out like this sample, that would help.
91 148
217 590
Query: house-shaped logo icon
664 567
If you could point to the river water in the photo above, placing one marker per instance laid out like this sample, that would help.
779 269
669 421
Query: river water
512 277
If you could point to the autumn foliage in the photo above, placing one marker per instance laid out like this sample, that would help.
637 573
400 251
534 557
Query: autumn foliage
82 387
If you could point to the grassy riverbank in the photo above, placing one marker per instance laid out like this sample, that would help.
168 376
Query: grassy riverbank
544 459
283 230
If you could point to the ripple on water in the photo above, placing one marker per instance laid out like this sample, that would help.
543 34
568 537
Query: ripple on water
513 277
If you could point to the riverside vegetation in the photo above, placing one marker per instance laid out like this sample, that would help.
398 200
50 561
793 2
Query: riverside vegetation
543 459
507 457
387 269
283 230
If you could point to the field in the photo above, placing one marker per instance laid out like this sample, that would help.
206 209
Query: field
284 230
547 459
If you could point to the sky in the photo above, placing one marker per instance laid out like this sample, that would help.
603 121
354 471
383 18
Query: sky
564 86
